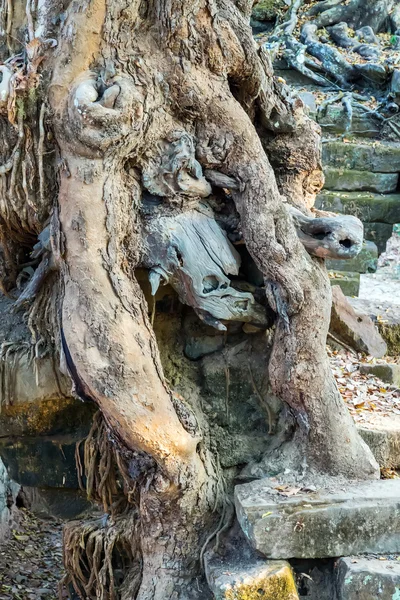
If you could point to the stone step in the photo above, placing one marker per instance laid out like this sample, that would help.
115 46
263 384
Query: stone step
367 578
383 437
242 579
365 262
350 180
360 517
370 208
334 119
386 317
376 158
378 233
348 282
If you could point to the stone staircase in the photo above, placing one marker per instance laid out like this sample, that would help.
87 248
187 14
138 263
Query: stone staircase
361 179
300 529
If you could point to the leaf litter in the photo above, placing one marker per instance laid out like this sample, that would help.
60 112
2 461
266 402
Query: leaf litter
31 564
366 396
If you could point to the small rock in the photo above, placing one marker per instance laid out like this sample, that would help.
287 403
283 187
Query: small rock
308 99
367 51
386 316
395 83
366 34
340 35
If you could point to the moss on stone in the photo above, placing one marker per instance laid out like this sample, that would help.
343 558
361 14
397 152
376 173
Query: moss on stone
47 417
266 10
391 335
275 586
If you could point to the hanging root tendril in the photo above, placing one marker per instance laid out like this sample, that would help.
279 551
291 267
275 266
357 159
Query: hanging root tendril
97 556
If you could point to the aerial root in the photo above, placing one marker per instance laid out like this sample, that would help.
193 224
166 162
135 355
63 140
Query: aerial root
97 556
103 473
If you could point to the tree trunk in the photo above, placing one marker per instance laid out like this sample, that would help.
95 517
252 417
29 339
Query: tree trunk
142 99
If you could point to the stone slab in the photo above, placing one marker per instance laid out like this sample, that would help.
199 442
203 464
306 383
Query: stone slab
376 158
363 578
370 208
358 518
382 435
378 233
365 262
350 180
348 282
354 327
386 316
250 580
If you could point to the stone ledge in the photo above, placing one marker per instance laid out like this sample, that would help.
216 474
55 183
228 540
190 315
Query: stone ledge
370 208
348 282
382 435
346 180
357 518
377 158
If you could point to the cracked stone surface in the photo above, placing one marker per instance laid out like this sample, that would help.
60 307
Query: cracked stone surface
361 517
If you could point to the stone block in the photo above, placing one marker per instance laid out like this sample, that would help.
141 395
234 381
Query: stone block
370 208
231 400
377 158
387 372
353 327
386 317
349 283
378 233
41 462
334 119
361 517
367 578
255 580
365 262
59 503
382 435
350 180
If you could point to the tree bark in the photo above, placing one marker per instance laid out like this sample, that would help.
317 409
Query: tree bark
142 99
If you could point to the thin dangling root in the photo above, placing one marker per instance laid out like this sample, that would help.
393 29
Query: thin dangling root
100 555
107 478
97 556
